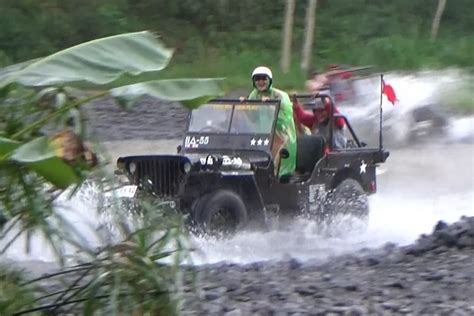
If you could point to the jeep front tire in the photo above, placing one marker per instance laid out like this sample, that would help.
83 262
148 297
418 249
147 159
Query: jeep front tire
220 213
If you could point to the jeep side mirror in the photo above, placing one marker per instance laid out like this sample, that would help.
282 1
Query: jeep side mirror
284 153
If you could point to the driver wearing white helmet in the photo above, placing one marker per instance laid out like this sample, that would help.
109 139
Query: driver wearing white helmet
285 136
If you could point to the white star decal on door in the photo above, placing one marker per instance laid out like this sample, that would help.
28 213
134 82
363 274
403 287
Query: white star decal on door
259 142
266 141
363 166
252 142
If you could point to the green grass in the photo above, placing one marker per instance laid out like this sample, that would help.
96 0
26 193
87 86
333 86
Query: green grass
237 68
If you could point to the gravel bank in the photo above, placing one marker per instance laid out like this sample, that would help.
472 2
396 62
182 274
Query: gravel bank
434 276
150 119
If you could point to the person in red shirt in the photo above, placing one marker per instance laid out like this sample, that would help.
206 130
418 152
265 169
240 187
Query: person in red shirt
318 121
320 115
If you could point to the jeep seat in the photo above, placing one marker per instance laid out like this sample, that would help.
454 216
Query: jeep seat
310 148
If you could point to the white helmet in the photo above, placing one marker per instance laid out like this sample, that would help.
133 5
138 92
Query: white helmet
261 70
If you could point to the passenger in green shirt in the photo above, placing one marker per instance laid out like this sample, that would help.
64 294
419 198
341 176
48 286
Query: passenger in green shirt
285 136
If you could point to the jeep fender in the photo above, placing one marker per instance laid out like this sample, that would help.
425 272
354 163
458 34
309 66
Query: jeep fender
343 174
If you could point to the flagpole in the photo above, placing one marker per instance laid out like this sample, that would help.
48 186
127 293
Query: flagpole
381 95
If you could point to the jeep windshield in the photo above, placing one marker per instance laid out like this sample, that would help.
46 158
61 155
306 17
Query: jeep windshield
240 118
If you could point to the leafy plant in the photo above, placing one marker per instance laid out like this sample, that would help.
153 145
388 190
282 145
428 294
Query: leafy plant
44 154
14 296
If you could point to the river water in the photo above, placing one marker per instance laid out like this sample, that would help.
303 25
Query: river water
428 177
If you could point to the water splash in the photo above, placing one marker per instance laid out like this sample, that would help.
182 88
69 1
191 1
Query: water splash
418 185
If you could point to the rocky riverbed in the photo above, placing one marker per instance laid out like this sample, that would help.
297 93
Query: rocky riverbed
434 276
150 119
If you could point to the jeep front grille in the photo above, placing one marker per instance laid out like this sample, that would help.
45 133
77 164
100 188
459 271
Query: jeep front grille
162 176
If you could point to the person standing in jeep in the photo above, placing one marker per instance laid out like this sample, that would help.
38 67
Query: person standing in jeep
318 121
285 136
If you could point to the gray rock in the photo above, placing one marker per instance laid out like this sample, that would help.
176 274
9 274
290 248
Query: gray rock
465 241
232 285
434 276
211 296
356 311
211 308
391 305
372 261
306 290
395 284
235 312
294 264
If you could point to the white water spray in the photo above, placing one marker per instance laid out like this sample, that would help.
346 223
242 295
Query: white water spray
418 185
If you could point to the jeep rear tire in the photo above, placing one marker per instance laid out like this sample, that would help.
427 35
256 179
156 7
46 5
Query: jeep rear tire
220 213
346 208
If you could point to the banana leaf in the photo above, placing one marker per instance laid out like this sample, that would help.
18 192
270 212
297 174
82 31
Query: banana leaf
103 63
40 156
7 146
127 63
191 92
8 71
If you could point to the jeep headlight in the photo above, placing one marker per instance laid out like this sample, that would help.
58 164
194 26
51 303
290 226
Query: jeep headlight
186 167
132 167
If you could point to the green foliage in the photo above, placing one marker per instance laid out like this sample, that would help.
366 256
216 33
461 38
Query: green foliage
106 62
42 156
132 274
14 296
61 159
31 29
223 34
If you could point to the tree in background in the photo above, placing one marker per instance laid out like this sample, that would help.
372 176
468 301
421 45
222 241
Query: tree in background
309 35
287 36
437 19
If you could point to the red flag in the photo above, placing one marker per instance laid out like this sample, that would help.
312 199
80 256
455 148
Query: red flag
389 92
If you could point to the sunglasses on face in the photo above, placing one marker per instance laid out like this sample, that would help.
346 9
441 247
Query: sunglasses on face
258 78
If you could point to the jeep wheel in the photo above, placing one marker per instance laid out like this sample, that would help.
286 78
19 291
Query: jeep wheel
220 213
345 209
